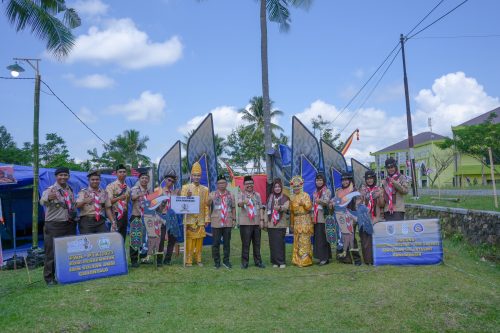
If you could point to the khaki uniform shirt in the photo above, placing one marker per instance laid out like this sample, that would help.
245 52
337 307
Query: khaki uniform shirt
113 191
284 203
215 217
57 210
87 194
401 189
322 202
257 203
137 190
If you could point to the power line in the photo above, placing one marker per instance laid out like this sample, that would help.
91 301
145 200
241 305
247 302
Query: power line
371 91
429 13
74 114
438 19
459 36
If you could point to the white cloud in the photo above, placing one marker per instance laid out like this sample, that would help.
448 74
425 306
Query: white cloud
90 7
121 42
226 118
453 99
93 81
86 115
148 106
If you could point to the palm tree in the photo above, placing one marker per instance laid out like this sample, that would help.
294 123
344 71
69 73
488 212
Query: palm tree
41 17
127 148
278 12
254 115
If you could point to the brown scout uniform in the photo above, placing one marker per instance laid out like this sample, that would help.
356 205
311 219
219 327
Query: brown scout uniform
88 222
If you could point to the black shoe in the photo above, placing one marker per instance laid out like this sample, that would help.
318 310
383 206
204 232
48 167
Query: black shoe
244 266
357 263
135 264
51 283
323 262
227 265
260 265
217 265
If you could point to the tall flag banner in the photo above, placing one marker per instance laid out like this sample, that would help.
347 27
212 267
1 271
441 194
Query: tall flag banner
358 171
306 156
282 164
334 163
201 148
171 161
349 141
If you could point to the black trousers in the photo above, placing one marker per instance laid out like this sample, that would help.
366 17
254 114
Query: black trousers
355 254
396 216
366 247
321 248
122 226
250 234
89 225
218 234
51 230
277 245
170 245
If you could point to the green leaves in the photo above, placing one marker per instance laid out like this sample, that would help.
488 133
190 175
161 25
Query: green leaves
278 11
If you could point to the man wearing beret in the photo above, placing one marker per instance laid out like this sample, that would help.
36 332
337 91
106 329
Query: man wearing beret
395 188
138 194
60 213
93 202
222 218
119 195
251 221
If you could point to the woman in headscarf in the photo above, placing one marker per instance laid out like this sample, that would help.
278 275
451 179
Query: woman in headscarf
301 223
321 197
277 222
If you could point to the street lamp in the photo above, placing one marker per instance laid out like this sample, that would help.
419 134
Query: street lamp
15 69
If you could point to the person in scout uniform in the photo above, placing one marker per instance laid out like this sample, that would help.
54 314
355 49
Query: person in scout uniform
93 202
119 195
60 214
170 229
222 219
138 194
395 188
277 222
301 223
251 221
321 197
195 223
373 197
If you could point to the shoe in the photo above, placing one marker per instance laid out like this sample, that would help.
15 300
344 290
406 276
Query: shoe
357 263
51 283
227 265
260 265
217 265
167 262
283 266
135 264
244 266
200 264
275 266
189 265
323 262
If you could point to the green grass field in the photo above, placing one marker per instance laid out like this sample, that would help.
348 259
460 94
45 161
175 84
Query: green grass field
458 296
468 202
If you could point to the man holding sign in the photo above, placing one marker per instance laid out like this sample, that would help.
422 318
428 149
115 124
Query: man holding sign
195 223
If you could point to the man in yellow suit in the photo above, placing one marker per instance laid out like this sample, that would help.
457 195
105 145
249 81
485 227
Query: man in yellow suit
195 223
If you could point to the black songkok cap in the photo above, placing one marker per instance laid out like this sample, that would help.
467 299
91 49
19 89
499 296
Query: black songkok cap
61 170
247 178
120 167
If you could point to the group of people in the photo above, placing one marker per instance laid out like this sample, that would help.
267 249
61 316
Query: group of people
332 220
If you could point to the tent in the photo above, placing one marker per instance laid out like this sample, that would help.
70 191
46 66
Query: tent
17 197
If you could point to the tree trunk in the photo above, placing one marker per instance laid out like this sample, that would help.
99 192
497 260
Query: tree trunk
265 89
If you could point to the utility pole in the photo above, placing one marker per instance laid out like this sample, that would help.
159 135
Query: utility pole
492 172
408 122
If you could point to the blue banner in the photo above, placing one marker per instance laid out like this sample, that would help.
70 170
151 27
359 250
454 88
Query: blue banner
92 256
412 242
286 155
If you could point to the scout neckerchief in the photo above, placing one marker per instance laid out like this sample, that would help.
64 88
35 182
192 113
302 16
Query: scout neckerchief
167 201
97 205
275 216
317 196
250 207
371 201
120 205
223 207
389 189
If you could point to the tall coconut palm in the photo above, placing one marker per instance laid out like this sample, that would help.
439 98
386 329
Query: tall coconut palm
254 115
278 12
41 18
127 148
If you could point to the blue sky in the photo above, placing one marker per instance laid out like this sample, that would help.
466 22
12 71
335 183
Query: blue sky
160 69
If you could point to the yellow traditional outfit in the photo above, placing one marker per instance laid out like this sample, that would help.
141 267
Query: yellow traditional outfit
300 209
195 223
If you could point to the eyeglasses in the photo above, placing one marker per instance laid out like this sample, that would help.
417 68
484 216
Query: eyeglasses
170 180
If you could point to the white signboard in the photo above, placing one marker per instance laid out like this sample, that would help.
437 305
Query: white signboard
185 205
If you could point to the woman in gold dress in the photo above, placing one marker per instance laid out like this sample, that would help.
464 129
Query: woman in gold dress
300 210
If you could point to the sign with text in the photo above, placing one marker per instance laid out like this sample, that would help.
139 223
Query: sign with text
412 242
185 205
92 256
